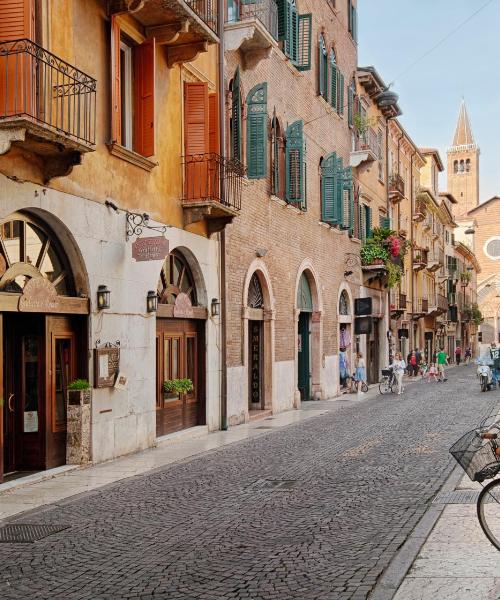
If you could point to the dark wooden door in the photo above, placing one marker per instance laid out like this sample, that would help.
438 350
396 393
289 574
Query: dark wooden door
2 398
255 353
304 375
179 351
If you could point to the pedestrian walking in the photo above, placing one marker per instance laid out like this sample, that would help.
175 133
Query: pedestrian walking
468 355
408 364
360 371
433 373
343 367
458 355
414 364
442 361
399 367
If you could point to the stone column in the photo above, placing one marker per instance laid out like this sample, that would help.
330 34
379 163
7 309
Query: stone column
78 427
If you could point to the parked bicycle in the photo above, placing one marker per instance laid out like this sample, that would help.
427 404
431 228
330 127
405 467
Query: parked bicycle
353 385
388 382
478 453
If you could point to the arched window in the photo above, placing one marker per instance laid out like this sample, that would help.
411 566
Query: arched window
277 158
255 295
467 165
455 166
29 249
235 118
323 69
176 278
344 303
461 168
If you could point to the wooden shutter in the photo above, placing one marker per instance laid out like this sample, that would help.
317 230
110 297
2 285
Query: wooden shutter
333 83
213 124
256 132
328 189
339 192
340 84
368 221
321 66
236 117
350 106
283 23
144 98
348 199
116 102
385 222
354 24
17 83
295 164
196 118
304 49
294 35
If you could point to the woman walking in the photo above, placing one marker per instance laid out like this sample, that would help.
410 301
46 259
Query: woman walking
399 367
360 371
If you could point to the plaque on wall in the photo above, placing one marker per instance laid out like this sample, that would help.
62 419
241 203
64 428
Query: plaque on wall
183 309
39 295
106 366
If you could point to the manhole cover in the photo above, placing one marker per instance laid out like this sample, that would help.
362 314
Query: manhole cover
26 533
457 497
272 484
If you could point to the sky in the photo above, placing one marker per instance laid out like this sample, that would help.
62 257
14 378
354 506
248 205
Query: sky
394 33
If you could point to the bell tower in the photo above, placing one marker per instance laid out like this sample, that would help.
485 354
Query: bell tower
463 166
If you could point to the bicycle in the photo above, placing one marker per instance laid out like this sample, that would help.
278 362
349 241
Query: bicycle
478 453
388 382
353 388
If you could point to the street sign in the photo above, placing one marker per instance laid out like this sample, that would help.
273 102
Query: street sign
150 248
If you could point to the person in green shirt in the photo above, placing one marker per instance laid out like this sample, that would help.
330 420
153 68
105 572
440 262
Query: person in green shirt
442 360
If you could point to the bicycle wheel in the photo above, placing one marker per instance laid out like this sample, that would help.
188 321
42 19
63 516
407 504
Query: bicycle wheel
384 387
488 511
364 387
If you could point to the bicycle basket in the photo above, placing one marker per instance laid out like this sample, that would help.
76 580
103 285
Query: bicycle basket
386 372
476 456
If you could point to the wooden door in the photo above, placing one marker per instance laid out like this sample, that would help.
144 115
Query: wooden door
304 375
177 356
256 365
60 344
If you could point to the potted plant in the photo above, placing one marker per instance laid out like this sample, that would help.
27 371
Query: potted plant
465 278
174 387
79 392
373 253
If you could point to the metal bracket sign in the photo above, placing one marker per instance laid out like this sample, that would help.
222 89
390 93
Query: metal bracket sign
106 366
150 248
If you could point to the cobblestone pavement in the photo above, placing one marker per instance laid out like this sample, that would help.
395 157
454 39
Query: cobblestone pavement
353 484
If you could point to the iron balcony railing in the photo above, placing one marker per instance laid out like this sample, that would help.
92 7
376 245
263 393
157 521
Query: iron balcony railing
368 141
207 11
213 178
442 303
421 306
266 11
398 301
37 85
396 185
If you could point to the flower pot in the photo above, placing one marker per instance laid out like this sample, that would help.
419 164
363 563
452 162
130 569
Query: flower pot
170 396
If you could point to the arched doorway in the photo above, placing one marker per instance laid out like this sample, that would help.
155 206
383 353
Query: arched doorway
180 347
305 308
255 302
43 339
346 362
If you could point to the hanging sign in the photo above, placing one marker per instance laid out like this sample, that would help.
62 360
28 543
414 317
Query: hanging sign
150 248
106 366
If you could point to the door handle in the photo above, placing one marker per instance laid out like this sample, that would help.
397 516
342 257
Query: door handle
11 409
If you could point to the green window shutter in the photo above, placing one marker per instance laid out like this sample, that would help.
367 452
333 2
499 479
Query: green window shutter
328 189
275 156
354 23
348 199
236 118
350 106
256 132
283 19
368 222
321 65
304 42
339 195
333 82
294 38
362 222
385 223
340 84
295 164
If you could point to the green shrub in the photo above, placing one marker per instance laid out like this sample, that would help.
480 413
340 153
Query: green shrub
178 386
79 384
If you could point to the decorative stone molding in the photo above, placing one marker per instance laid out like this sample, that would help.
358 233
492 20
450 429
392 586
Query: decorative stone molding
132 157
185 53
9 135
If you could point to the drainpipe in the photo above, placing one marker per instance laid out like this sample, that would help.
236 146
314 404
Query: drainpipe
412 212
222 238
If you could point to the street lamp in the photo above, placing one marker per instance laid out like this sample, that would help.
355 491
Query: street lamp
103 297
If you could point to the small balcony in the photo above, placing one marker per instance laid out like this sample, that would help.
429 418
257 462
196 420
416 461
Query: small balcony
420 308
212 190
435 261
396 188
47 107
397 304
419 259
184 27
420 210
366 148
438 304
252 29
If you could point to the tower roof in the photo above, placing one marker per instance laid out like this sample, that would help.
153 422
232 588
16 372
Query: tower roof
463 132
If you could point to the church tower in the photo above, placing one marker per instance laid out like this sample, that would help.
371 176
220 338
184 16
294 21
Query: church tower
463 166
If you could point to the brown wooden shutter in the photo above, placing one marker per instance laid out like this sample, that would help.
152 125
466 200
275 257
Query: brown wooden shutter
116 102
196 118
144 98
17 19
213 124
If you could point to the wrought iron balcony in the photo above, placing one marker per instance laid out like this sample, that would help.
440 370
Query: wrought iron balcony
435 260
185 27
253 29
396 188
419 259
397 304
420 210
438 304
212 189
47 106
366 148
420 308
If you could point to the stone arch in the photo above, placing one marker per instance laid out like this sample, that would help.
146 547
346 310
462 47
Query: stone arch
316 357
345 289
65 240
196 272
262 319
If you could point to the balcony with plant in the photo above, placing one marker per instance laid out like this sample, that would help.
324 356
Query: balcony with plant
384 252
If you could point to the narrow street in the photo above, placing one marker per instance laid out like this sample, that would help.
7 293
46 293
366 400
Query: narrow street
314 510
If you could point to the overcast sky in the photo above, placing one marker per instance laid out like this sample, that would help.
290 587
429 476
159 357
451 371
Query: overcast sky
394 33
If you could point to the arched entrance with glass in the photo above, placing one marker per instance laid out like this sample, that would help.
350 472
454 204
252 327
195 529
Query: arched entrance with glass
43 328
305 308
346 362
180 347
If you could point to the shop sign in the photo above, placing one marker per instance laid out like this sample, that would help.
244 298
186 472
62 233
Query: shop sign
150 248
106 366
255 362
39 295
183 309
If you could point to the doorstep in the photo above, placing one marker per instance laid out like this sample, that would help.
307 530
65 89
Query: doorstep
37 477
258 415
185 434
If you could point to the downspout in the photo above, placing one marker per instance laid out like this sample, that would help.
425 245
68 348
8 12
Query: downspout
388 209
222 239
412 212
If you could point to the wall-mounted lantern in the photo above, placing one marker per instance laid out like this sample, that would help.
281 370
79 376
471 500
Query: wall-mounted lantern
103 297
215 307
152 301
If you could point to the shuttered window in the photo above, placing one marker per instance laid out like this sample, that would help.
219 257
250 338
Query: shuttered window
135 88
294 31
235 125
348 199
337 197
351 94
352 20
341 91
365 222
322 68
213 124
304 43
295 188
333 80
257 132
278 160
196 118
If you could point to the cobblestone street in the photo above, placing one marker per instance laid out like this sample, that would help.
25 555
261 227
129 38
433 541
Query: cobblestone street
315 510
